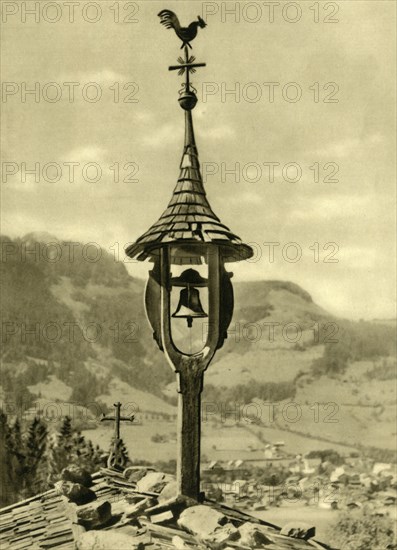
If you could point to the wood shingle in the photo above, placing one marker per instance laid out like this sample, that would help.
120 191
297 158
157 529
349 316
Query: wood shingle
189 217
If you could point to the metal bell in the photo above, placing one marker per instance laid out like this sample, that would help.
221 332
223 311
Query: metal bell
189 306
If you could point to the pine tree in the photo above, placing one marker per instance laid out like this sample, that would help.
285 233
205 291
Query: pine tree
66 430
34 459
5 439
23 459
71 448
79 445
16 435
60 451
7 494
13 457
17 456
84 454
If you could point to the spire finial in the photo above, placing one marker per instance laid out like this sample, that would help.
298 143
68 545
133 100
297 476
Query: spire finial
188 98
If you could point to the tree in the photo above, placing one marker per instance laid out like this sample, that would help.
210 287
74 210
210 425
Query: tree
359 530
8 492
31 460
70 447
327 455
34 472
334 360
61 449
23 459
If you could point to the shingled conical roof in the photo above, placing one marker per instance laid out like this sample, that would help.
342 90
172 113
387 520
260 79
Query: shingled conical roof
189 220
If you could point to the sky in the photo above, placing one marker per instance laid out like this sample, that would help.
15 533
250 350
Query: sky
295 128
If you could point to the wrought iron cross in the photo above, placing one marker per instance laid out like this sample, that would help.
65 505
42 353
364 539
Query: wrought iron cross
117 419
117 456
186 66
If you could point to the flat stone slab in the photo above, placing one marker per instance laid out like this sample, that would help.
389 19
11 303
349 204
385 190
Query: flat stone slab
201 520
252 536
152 482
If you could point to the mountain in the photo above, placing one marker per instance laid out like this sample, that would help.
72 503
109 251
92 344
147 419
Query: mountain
75 330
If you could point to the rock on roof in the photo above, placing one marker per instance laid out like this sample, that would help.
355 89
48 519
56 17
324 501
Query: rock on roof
136 509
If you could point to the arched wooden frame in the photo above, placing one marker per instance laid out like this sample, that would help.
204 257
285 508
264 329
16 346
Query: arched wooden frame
189 368
178 359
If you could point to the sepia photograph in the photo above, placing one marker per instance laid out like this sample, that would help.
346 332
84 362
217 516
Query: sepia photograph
198 275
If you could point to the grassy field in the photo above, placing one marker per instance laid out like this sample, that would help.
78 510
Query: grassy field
219 441
137 438
278 363
217 444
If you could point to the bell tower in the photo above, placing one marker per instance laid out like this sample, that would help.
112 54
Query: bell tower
189 233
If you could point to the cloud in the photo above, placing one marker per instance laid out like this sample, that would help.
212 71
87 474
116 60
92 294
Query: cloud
359 257
86 153
162 136
72 168
327 208
102 76
346 147
217 133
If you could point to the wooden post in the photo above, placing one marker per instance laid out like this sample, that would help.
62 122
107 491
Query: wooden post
189 433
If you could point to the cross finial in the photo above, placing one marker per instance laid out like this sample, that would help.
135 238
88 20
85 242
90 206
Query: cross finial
117 456
186 66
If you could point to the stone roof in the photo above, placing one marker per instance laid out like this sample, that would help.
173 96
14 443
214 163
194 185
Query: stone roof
135 509
188 218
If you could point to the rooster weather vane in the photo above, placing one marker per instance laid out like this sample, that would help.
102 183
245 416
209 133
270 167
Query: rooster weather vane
186 65
186 34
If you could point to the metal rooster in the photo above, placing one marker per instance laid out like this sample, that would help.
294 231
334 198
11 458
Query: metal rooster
186 34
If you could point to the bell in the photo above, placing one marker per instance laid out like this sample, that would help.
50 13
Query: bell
189 306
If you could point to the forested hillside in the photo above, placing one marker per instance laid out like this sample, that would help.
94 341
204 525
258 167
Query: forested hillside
74 330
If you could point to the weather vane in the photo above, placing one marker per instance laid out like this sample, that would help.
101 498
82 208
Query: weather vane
186 34
186 65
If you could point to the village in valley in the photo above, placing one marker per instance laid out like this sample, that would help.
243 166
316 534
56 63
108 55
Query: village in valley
327 481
